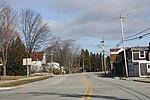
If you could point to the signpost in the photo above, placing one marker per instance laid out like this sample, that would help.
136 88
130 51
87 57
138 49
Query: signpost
27 62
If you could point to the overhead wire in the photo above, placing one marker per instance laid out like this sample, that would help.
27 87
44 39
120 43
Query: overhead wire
137 33
135 7
131 39
125 7
138 37
127 38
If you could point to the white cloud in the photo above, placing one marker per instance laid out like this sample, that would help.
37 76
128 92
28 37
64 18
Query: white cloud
94 17
76 19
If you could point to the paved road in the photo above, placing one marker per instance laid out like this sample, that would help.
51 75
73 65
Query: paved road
87 86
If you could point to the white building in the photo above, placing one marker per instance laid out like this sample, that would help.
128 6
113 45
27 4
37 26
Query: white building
38 59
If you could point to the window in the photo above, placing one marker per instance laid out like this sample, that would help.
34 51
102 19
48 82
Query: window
148 68
142 54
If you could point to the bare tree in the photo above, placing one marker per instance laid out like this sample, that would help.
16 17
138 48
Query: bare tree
71 50
34 30
65 52
54 49
74 55
8 32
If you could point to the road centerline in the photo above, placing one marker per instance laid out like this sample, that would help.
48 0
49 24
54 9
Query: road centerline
88 91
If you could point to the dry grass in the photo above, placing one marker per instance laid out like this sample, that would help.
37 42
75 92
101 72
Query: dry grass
11 77
22 81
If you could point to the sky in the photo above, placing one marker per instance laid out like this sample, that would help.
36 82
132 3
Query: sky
90 21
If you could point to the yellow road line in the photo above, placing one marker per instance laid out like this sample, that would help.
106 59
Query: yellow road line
88 90
90 94
85 93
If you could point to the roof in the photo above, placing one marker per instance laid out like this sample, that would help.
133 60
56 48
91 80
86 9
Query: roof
116 51
140 48
37 56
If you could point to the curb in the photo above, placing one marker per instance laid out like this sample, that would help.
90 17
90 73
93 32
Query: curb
142 81
7 88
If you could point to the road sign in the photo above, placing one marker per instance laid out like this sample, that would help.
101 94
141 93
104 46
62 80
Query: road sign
27 61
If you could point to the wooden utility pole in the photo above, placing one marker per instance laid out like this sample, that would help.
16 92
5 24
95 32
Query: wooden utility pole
51 63
103 56
83 63
122 32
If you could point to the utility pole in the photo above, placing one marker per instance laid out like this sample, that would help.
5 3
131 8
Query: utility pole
27 67
51 63
103 56
83 63
122 31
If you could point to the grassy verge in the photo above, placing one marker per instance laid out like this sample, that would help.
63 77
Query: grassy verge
23 81
4 78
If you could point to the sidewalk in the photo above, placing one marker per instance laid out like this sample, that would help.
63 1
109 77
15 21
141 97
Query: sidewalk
137 79
145 80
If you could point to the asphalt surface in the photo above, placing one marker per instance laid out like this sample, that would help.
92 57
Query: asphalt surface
85 86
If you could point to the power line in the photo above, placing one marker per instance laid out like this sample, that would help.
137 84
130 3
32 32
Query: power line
138 37
125 7
118 44
135 7
138 33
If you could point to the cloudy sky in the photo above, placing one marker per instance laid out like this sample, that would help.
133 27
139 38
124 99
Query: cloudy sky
89 21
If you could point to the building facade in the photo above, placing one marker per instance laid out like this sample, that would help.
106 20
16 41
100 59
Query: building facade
138 62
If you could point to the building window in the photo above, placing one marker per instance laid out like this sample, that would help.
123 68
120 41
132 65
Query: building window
148 68
142 54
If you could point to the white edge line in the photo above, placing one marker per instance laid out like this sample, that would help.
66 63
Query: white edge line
59 81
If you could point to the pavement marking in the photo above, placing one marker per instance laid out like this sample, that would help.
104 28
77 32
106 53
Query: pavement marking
6 88
59 81
90 94
82 98
88 91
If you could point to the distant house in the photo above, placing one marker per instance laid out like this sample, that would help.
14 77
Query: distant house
138 62
113 58
38 60
138 59
56 68
38 56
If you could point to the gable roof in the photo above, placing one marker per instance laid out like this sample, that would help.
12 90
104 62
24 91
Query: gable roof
37 56
140 48
116 51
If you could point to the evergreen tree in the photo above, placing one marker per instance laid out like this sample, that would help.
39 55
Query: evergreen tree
98 59
87 61
16 53
81 58
92 60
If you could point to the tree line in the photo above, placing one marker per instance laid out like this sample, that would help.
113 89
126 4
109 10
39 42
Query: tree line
93 62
